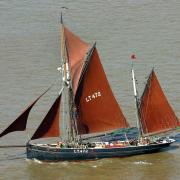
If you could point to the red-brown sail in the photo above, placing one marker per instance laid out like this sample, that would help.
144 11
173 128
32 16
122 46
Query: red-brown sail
97 107
50 124
76 53
20 123
156 114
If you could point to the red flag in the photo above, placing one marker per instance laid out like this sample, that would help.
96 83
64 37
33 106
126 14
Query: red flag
133 56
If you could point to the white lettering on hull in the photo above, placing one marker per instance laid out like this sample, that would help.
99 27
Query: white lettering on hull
82 151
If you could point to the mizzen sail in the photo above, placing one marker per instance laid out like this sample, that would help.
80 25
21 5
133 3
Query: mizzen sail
155 112
20 123
49 127
97 107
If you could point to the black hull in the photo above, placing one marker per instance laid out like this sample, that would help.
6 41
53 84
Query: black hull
58 154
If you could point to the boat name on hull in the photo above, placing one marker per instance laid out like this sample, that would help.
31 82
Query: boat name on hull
85 151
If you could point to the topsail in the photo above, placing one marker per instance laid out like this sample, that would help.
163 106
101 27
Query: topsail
76 51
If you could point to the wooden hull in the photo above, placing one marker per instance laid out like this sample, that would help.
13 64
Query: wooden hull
44 153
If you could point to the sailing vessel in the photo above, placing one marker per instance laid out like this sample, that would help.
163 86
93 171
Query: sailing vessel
92 108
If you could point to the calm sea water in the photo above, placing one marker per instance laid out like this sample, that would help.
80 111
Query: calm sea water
29 56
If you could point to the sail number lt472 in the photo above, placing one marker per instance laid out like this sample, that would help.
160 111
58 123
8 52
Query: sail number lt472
93 96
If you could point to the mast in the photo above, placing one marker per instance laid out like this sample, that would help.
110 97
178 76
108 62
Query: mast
63 125
136 102
68 120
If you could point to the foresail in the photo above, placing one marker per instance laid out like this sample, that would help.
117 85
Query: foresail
20 123
76 50
155 112
50 124
97 107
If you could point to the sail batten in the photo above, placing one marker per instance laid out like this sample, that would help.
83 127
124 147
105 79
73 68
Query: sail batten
20 123
155 112
49 127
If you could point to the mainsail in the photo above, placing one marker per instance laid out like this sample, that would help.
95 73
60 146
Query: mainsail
20 123
97 108
156 114
49 127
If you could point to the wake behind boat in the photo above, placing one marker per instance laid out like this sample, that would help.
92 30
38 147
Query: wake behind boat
92 108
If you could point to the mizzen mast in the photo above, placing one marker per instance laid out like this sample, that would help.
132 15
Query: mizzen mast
136 98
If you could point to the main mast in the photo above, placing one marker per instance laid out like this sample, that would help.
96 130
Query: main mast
69 122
